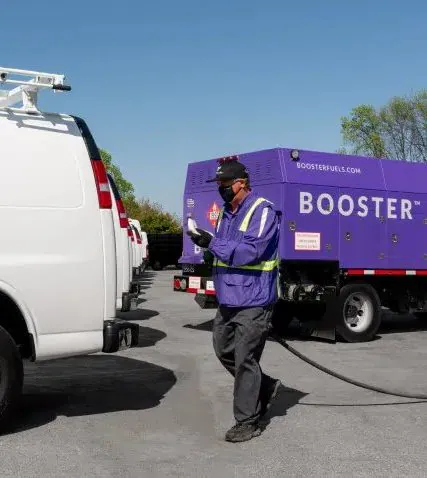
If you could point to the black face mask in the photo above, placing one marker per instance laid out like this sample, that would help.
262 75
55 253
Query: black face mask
227 193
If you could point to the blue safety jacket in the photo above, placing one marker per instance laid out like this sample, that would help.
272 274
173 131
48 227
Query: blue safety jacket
245 247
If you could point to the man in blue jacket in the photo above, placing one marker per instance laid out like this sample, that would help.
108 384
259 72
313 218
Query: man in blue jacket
245 269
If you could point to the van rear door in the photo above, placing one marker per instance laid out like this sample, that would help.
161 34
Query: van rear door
105 217
122 243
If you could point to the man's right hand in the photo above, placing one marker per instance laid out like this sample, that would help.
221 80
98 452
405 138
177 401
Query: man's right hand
201 238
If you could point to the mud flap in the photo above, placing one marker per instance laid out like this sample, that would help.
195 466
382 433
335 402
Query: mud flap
326 327
206 301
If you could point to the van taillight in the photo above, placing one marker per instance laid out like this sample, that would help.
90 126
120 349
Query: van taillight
123 218
102 186
130 233
101 178
138 240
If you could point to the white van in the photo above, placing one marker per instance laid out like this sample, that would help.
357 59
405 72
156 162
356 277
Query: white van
137 248
125 291
135 271
131 240
143 254
145 250
58 280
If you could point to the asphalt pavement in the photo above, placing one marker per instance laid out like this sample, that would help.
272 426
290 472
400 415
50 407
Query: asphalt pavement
162 409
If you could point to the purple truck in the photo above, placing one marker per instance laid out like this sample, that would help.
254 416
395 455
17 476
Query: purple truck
353 236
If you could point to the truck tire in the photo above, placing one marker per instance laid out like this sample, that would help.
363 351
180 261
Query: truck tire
283 313
11 378
359 309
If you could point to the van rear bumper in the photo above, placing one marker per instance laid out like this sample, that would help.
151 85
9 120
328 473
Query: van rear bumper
119 335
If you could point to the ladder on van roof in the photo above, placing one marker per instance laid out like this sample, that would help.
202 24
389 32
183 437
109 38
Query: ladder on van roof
26 92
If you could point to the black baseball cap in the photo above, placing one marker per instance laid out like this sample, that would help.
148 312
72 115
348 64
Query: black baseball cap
229 170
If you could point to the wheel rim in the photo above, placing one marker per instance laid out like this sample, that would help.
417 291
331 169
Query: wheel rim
358 312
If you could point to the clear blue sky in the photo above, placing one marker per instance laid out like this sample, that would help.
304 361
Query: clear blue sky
167 82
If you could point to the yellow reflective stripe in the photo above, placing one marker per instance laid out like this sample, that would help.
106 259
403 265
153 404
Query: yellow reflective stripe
218 221
245 223
262 266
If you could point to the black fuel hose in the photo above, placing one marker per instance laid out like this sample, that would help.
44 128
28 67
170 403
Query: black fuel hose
303 357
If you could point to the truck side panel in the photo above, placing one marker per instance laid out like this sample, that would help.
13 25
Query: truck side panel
363 233
362 212
407 236
307 234
407 229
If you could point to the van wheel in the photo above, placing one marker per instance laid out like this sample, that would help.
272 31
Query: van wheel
359 309
11 378
283 313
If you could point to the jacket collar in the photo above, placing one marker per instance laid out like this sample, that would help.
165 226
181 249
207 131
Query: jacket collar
245 201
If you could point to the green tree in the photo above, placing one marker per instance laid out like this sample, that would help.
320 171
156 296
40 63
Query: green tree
125 187
154 219
362 131
397 130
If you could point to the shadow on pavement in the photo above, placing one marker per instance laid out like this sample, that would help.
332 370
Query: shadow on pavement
148 276
393 323
149 337
204 326
138 314
294 331
286 398
90 385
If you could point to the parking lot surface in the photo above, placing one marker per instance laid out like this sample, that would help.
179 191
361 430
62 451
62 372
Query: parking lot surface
163 408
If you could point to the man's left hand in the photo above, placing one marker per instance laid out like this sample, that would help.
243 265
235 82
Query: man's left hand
202 239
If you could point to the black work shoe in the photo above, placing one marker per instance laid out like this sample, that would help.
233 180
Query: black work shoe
243 432
267 396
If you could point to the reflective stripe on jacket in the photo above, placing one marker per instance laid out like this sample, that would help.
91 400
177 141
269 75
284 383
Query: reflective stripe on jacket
245 249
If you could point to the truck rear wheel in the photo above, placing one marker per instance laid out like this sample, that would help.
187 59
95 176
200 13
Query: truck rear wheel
11 377
359 313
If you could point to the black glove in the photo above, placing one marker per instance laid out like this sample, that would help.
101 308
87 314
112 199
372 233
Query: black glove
208 258
202 239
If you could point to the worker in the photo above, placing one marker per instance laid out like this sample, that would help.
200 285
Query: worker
244 249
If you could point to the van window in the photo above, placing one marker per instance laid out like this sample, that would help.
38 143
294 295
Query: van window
38 162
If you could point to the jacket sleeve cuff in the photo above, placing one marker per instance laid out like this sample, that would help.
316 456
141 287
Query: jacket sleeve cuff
222 249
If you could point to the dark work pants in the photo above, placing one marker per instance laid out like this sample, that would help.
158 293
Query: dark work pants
239 336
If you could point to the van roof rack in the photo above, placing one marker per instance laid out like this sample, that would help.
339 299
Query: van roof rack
27 90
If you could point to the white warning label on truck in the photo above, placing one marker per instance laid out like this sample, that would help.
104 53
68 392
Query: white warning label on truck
194 283
210 285
307 241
